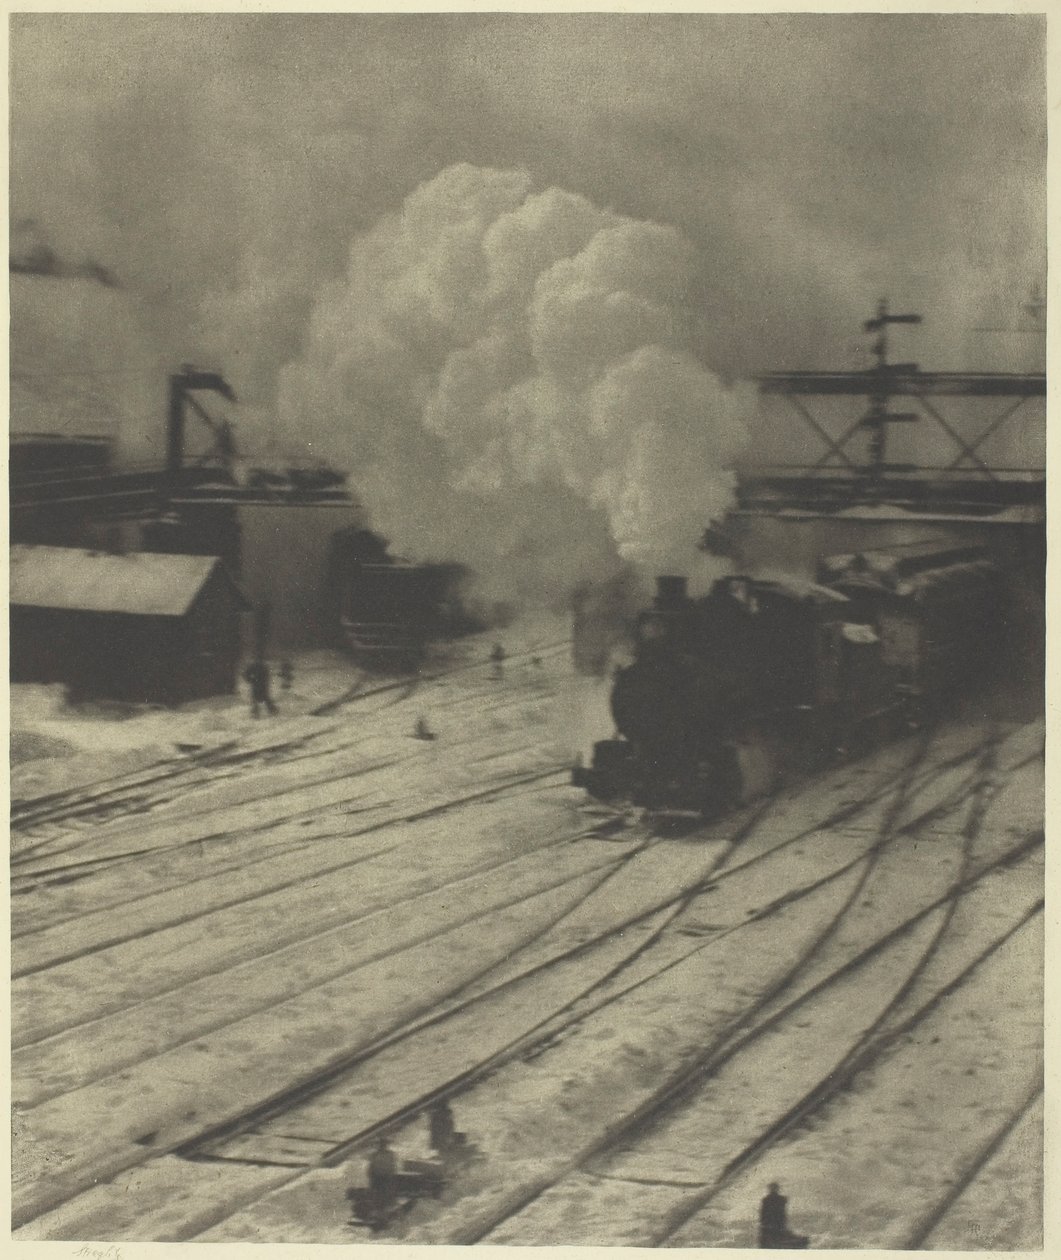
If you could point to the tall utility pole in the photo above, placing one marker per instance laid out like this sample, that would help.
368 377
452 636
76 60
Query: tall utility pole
882 388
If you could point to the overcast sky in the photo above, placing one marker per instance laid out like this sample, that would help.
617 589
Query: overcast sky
511 271
814 161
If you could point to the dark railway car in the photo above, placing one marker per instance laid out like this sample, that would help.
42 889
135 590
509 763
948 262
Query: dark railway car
938 613
391 610
385 610
761 679
388 612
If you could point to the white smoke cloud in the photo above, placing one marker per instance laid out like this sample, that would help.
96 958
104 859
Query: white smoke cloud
510 376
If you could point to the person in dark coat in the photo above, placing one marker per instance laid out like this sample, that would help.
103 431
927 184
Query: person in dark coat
257 676
287 675
382 1171
440 1119
773 1221
497 660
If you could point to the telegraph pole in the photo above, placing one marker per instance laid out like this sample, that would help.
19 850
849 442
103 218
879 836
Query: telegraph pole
882 388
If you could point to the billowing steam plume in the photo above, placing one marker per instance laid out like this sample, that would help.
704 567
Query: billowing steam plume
511 378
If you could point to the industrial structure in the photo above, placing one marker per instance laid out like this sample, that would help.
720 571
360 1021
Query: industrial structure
291 535
65 485
72 490
966 485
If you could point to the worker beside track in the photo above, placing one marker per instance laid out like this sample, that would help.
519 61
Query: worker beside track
256 675
442 1127
773 1222
382 1172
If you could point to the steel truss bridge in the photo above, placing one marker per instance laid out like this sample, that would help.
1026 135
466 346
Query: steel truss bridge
836 481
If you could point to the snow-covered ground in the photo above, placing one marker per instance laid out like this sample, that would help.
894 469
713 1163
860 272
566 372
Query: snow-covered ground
335 917
56 745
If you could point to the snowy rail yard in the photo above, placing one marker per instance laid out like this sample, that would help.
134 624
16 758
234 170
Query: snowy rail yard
236 967
527 591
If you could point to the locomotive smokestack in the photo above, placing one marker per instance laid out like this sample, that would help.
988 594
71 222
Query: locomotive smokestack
670 590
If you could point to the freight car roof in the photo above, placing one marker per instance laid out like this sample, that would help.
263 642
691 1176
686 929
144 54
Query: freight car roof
950 575
800 588
146 584
901 562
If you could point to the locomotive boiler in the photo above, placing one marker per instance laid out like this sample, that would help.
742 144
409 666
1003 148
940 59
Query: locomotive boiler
762 678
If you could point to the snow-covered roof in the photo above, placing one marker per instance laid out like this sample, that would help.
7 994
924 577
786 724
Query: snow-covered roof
143 583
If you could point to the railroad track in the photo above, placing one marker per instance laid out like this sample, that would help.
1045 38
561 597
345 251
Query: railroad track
132 810
925 1226
698 1197
484 1227
48 861
767 1016
408 686
58 814
870 1042
113 931
518 1047
389 1120
471 893
610 930
477 1071
135 1152
226 837
206 1224
945 1100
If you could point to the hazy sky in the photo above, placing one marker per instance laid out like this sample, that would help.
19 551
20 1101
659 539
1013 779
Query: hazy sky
506 269
223 163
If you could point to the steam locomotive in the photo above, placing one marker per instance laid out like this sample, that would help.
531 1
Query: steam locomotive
730 694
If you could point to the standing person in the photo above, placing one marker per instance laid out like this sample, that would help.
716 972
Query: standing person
257 676
287 675
382 1170
773 1221
497 660
442 1127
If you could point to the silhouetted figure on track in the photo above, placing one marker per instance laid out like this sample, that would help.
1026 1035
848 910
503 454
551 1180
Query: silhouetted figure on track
382 1173
422 730
376 1205
257 676
287 675
442 1127
773 1222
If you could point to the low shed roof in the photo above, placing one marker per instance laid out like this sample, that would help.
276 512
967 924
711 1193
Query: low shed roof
140 583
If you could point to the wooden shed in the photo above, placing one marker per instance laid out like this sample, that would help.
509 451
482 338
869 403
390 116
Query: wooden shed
140 626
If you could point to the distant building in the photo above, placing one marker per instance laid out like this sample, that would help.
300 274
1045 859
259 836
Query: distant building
139 626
